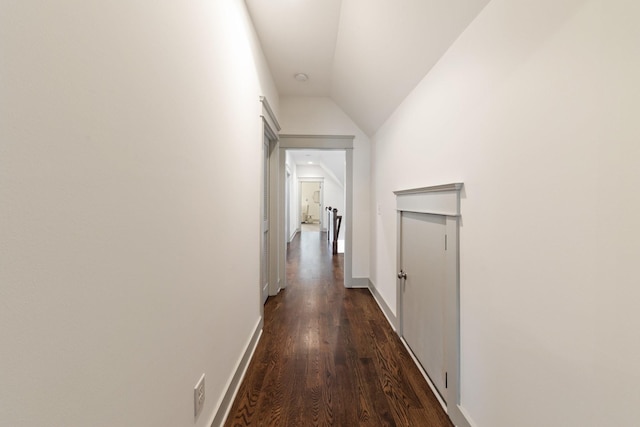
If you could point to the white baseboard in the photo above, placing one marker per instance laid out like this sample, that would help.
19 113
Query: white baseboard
466 418
224 405
391 318
359 282
293 235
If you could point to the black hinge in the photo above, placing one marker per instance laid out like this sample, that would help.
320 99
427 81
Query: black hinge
445 242
446 380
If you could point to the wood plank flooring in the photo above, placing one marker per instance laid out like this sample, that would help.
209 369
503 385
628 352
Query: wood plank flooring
328 357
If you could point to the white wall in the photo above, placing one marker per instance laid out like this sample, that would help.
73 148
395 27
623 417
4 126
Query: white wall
318 116
534 109
119 232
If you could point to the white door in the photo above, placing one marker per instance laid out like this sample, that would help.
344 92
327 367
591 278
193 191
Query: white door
423 292
264 253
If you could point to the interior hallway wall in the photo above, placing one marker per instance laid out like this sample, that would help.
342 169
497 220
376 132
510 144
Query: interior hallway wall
321 116
129 265
535 109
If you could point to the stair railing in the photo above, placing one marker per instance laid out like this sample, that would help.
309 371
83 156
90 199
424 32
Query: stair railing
333 228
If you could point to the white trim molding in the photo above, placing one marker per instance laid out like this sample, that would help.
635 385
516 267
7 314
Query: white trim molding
269 116
437 200
324 142
226 401
269 131
320 142
391 318
456 186
360 282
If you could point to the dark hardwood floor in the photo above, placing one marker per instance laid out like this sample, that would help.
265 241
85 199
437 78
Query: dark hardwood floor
328 357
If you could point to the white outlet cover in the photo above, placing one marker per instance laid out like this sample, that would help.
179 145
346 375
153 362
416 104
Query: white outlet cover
198 396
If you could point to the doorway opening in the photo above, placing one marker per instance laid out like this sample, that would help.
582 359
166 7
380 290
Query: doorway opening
310 206
318 193
324 164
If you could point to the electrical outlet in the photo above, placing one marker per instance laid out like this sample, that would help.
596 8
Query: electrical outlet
198 396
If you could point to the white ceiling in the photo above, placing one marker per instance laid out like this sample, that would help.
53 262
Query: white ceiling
332 161
365 54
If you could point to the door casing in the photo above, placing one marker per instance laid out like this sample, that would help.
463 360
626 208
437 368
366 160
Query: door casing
269 131
266 220
318 142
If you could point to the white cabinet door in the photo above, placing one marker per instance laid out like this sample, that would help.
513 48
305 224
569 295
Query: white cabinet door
424 291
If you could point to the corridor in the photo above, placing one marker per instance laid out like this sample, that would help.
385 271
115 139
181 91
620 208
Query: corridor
327 355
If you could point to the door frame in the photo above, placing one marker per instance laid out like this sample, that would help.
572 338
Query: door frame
319 142
269 130
441 200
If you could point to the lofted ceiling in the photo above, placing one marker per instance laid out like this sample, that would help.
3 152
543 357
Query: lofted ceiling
367 55
332 161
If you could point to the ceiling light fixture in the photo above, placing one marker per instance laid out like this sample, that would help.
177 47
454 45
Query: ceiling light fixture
301 77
